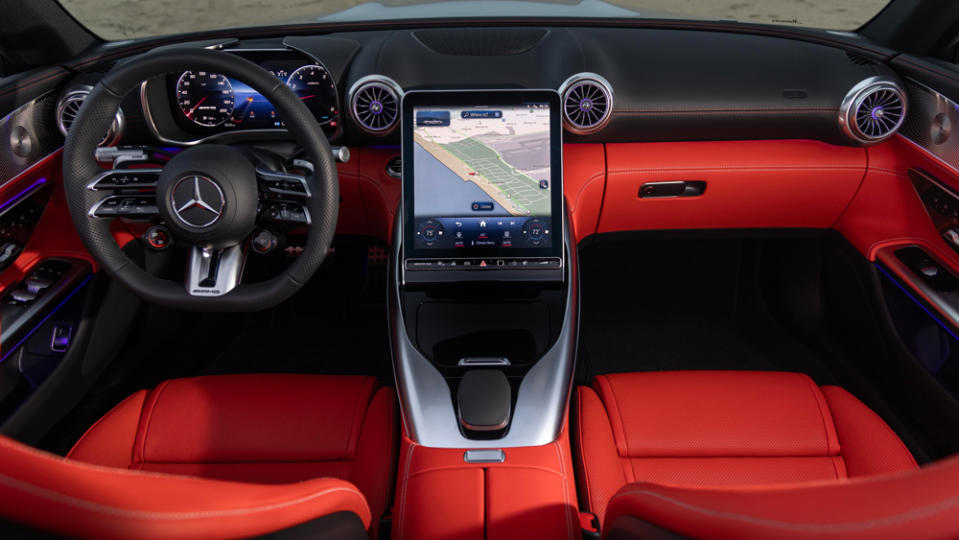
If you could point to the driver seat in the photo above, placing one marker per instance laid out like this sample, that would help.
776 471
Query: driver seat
254 429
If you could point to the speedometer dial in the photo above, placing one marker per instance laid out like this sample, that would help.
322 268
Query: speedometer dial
315 87
205 98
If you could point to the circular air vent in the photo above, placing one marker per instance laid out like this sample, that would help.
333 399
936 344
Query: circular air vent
375 104
873 110
587 103
69 107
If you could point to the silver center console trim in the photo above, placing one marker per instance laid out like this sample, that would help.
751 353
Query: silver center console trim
484 456
483 361
426 404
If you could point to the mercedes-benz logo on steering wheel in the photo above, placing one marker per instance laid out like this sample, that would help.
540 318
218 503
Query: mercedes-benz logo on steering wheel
198 201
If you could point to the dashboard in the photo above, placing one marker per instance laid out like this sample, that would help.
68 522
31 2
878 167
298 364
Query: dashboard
691 85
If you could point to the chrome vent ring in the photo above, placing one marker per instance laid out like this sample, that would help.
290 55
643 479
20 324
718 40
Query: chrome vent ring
375 104
587 101
873 110
69 107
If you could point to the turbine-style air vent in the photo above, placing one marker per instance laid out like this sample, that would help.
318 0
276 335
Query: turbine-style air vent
587 103
375 104
873 110
69 107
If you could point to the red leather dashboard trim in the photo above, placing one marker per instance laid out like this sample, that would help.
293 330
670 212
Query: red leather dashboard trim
584 183
750 184
887 210
530 495
89 501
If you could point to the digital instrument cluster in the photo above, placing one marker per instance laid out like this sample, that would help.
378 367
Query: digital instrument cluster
211 102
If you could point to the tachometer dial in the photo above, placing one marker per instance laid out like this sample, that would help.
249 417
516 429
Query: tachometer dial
315 87
205 98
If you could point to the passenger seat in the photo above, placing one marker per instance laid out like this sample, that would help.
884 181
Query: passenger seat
724 428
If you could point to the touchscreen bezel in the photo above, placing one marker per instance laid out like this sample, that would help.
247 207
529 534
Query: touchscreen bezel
453 98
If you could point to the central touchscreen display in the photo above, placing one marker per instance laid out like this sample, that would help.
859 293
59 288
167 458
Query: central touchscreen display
485 176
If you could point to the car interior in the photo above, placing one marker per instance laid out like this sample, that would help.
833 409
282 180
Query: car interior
475 270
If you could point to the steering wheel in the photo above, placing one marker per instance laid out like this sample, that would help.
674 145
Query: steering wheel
207 195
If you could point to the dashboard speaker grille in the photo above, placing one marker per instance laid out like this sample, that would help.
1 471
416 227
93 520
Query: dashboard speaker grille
481 41
69 107
375 104
587 103
873 110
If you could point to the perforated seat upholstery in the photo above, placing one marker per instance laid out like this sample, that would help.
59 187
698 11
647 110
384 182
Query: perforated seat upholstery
268 429
723 428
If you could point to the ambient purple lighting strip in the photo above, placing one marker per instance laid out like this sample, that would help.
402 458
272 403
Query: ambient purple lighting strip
19 196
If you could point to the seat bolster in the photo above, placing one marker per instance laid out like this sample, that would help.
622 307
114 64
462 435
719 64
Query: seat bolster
253 419
717 414
914 504
77 499
109 442
869 446
375 463
600 470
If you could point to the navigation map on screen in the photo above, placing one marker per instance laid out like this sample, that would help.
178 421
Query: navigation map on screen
482 176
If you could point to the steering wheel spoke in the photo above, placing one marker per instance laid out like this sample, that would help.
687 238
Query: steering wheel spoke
130 193
282 184
214 272
126 206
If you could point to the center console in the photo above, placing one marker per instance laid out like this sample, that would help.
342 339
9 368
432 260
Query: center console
483 299
483 312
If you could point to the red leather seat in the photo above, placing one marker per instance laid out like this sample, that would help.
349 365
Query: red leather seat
708 429
918 504
43 491
268 429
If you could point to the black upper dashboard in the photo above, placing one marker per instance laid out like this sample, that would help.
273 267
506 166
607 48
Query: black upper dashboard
659 84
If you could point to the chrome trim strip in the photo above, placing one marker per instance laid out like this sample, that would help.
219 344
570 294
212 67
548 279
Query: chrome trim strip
483 361
484 456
